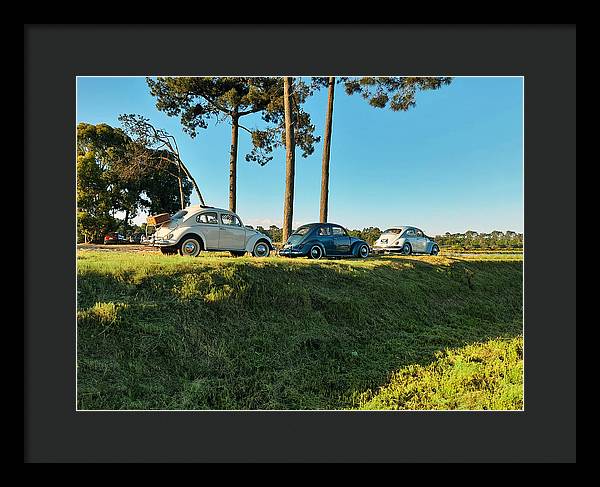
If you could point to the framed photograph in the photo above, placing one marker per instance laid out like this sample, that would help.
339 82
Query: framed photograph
299 256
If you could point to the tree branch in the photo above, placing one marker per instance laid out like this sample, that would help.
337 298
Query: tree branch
246 129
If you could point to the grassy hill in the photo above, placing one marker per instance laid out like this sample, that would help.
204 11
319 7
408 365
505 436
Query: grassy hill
216 332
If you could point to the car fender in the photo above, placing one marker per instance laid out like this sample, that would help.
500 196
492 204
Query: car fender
430 245
314 241
356 245
251 242
399 243
180 232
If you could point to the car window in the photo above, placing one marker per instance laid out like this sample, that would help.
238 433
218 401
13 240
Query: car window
210 217
338 231
324 231
229 219
409 233
419 233
178 215
302 230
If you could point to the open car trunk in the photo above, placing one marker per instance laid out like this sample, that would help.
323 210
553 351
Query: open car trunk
158 219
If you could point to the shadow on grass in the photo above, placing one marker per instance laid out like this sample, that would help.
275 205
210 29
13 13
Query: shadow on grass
279 334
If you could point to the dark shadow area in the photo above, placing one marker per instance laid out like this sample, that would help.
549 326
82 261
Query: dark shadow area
278 333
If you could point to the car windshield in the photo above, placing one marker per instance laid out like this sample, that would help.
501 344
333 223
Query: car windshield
393 230
178 215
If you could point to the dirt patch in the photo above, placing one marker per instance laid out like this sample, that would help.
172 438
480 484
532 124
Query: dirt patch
132 248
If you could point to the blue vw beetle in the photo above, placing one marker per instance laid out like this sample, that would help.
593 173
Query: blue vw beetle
317 240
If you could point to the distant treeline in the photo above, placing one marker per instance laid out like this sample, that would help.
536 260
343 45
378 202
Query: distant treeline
469 240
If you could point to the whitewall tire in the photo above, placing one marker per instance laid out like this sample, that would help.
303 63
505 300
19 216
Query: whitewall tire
363 251
190 247
315 252
261 249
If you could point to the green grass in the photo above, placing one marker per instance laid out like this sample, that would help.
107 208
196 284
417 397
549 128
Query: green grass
216 332
480 376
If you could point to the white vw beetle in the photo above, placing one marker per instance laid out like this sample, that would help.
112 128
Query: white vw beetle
405 240
197 228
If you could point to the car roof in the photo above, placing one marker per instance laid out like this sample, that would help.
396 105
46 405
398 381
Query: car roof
203 207
315 224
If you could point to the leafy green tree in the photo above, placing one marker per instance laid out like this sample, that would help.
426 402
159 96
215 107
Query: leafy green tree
290 127
273 232
198 100
369 234
94 201
155 150
471 240
164 192
111 179
396 92
100 192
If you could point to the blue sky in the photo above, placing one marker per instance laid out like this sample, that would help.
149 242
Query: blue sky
452 163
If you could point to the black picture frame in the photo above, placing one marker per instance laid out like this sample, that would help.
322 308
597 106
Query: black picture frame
55 432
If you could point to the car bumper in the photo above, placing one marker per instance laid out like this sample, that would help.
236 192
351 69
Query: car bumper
382 250
161 242
291 252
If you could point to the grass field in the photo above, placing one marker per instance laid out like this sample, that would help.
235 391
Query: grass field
217 332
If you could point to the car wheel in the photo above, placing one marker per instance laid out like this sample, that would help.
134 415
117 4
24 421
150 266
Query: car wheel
435 250
236 253
190 247
406 249
315 252
261 249
363 251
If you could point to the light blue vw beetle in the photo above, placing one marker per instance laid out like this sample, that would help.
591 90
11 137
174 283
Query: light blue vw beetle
405 240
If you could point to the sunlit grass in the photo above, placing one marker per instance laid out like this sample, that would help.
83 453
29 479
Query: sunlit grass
218 332
479 376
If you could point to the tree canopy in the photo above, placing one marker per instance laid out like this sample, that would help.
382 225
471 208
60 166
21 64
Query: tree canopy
111 181
198 101
396 92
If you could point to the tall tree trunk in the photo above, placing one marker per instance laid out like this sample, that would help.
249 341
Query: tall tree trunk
126 220
233 160
181 199
290 162
326 154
